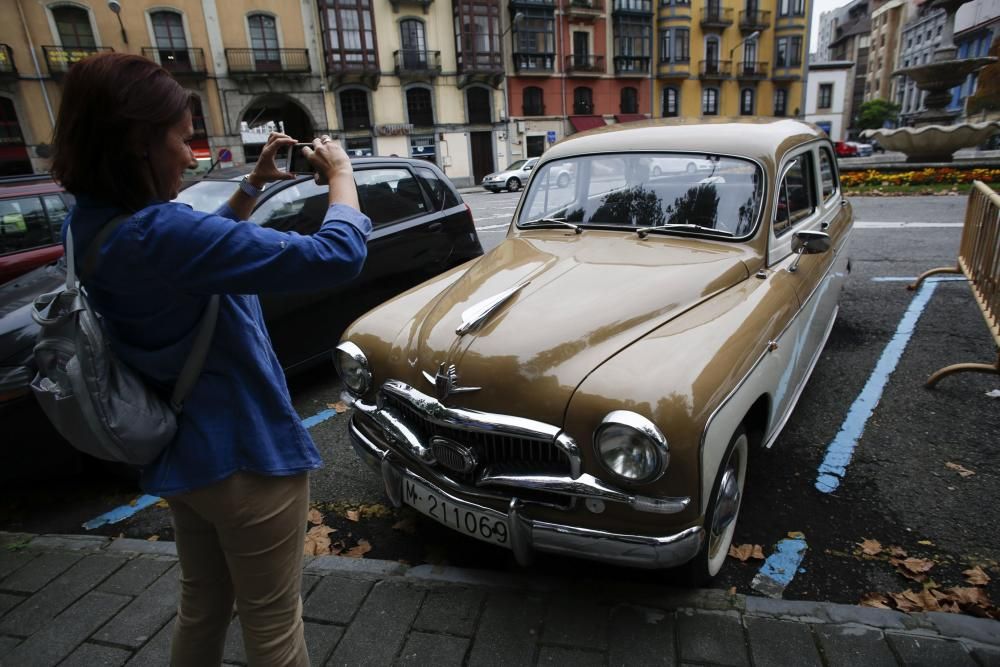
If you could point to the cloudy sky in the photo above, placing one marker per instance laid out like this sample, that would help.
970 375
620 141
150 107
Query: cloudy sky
820 6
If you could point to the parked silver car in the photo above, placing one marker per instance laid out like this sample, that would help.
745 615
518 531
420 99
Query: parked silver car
512 178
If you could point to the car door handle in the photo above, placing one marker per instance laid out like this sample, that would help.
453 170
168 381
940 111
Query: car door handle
825 224
434 226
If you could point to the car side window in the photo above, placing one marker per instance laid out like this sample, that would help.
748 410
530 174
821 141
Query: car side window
796 198
827 173
57 210
442 196
298 208
389 194
23 225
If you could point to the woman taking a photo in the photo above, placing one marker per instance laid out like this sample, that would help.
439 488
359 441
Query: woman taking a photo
236 474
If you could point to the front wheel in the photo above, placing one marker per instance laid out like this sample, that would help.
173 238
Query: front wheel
691 168
513 185
657 172
723 509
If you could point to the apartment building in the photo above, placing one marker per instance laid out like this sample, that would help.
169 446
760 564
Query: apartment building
886 25
472 84
852 36
919 37
827 95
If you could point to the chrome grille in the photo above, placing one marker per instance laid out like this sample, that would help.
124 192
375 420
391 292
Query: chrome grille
491 448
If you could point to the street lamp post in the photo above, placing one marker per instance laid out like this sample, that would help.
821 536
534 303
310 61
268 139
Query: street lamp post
503 87
752 37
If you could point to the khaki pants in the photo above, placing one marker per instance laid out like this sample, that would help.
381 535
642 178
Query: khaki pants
241 539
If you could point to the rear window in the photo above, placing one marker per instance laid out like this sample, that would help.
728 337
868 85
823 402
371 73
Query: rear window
441 194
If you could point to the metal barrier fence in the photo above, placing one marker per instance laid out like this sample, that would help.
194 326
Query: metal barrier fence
979 261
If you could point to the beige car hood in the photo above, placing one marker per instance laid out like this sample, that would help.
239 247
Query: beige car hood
584 298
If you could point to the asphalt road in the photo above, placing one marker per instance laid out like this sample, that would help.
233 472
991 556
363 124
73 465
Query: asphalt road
899 488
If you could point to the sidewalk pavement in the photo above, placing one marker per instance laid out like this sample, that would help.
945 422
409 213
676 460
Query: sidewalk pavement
87 601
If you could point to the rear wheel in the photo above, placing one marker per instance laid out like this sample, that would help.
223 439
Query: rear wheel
691 168
513 185
723 509
563 180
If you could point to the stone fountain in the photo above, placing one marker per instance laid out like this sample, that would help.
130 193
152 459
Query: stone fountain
934 138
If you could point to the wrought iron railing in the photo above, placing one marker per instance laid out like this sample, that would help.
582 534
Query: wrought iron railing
179 62
60 58
716 17
751 70
754 20
268 61
714 69
632 64
412 61
584 63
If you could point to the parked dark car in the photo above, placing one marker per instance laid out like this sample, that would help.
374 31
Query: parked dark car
32 209
421 228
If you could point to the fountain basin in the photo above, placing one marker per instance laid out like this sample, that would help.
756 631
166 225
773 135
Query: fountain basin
933 143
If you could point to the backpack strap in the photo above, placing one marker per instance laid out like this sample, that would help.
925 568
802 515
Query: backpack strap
206 327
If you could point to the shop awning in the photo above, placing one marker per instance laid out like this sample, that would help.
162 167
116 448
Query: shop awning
582 123
628 117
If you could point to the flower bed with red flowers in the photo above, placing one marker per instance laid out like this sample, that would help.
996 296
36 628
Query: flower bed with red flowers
921 177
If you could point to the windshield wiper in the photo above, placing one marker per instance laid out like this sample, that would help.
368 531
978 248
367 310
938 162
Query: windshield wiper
643 232
552 221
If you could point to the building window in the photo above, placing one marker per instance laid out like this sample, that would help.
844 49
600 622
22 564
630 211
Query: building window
746 102
171 44
478 101
418 107
632 42
791 8
422 147
630 100
583 100
348 36
264 41
73 26
671 106
825 96
412 44
675 45
354 109
359 146
534 101
788 51
780 102
477 35
710 102
712 50
534 40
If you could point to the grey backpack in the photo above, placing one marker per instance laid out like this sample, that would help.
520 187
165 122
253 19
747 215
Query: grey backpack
100 405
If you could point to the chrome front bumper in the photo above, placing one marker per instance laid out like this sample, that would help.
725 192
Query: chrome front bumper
529 535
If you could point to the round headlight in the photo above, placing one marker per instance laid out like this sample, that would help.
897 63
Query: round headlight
631 447
352 366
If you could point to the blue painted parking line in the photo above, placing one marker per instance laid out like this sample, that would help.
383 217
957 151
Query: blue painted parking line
780 567
841 450
910 279
125 511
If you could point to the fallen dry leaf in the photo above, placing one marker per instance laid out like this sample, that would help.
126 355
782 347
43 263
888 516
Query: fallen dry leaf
406 525
870 547
358 551
926 543
877 600
339 406
976 576
162 504
353 515
897 552
317 541
967 595
315 517
913 568
153 538
745 552
964 472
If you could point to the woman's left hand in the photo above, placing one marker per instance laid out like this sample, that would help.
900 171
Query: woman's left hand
266 170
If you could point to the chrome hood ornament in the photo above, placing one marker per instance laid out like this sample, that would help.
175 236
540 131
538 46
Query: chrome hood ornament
446 382
475 315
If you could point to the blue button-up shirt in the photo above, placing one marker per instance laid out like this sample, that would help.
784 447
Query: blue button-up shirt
156 274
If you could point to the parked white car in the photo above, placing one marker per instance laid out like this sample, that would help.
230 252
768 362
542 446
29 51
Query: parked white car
674 165
512 178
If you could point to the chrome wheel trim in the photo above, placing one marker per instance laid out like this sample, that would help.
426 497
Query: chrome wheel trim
514 184
726 505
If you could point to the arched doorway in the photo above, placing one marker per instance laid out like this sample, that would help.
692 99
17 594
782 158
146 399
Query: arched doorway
14 158
272 112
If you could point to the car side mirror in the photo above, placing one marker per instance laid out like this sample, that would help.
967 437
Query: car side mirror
808 242
529 168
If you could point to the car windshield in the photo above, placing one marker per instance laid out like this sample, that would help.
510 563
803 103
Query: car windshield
676 191
514 166
207 196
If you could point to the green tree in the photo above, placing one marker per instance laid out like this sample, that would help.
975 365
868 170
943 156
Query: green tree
874 113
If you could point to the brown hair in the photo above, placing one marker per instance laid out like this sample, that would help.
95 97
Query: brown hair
113 106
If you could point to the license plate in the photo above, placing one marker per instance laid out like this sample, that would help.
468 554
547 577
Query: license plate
471 522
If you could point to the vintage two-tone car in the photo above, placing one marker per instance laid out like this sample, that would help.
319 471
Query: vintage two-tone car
592 386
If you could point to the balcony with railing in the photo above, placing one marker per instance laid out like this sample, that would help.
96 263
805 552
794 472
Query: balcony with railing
179 62
354 66
751 71
584 65
632 65
268 62
416 65
479 67
714 69
673 69
534 63
423 4
533 4
716 17
633 7
754 20
60 58
7 69
583 9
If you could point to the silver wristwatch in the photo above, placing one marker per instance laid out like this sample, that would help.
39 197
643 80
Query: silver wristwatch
249 188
